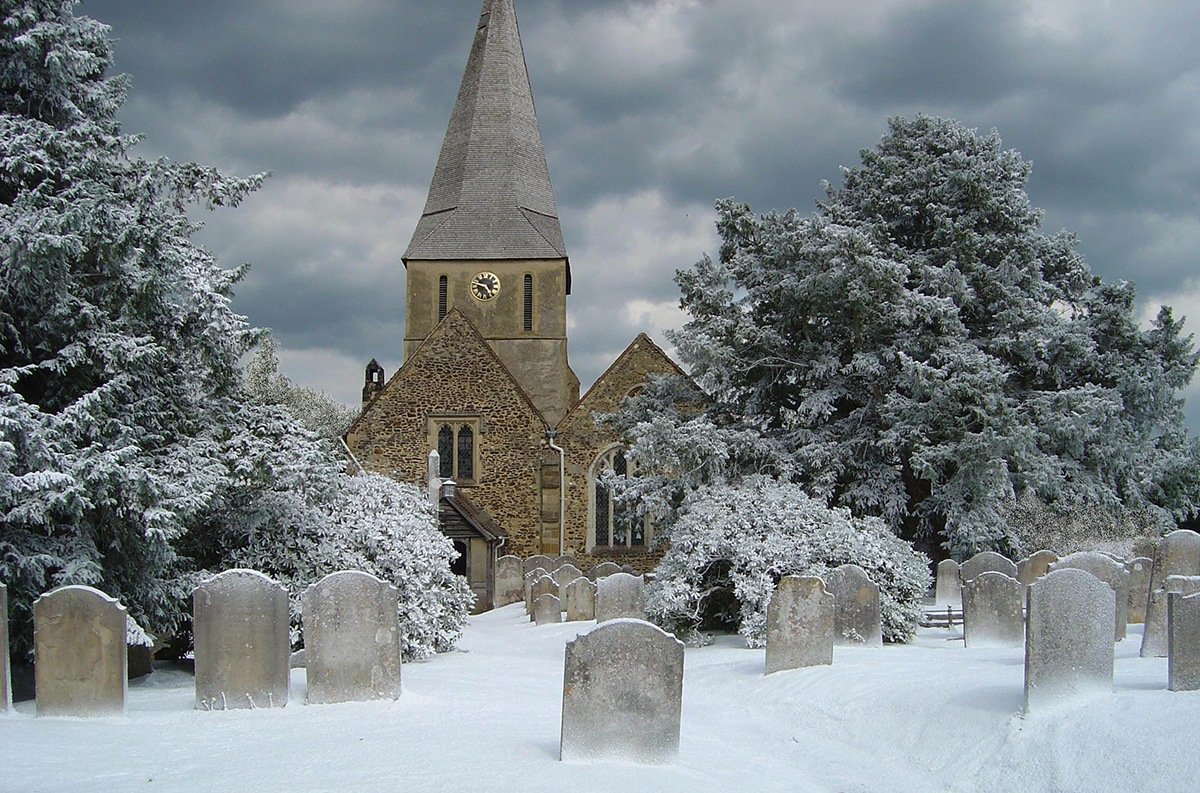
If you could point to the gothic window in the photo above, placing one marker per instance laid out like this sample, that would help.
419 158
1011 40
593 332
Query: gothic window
454 439
529 302
443 297
613 524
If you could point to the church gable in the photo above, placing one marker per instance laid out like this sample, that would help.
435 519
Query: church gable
641 360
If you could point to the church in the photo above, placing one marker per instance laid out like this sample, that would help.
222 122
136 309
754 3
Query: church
485 381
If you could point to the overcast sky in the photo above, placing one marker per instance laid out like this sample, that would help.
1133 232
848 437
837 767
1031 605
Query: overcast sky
650 110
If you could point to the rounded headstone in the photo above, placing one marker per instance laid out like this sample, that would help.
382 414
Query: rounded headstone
949 587
620 596
1110 572
992 611
1068 639
580 600
510 583
546 610
799 624
1034 566
604 569
79 643
857 619
985 562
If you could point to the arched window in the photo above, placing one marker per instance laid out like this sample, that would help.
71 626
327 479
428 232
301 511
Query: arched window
445 448
455 441
443 297
465 457
528 302
614 525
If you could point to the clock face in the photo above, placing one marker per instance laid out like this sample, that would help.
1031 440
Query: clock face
485 286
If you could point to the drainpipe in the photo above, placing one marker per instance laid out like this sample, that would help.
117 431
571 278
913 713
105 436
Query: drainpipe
562 486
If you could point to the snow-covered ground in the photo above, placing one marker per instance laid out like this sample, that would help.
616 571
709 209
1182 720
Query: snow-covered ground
929 716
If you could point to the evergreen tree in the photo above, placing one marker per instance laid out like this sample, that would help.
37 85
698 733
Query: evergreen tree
314 410
926 353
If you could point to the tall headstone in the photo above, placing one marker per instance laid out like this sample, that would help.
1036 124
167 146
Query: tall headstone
544 585
799 624
1110 572
79 647
604 569
351 639
985 562
856 614
581 600
1178 553
563 576
1154 634
992 611
619 596
1139 568
546 610
510 583
1068 639
538 560
5 671
949 587
1183 642
530 579
622 694
1034 566
240 626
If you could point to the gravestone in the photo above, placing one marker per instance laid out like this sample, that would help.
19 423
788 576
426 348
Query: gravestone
799 624
1145 546
856 614
1178 553
1183 642
604 569
949 588
1139 569
1110 572
79 645
530 579
1034 566
563 576
1068 639
536 561
510 583
547 610
986 562
564 560
992 612
351 639
545 585
1154 635
580 600
240 625
5 670
619 596
622 694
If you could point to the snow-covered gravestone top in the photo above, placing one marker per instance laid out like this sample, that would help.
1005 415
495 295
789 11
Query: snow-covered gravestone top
580 600
510 584
547 610
1034 566
992 611
620 596
1068 639
949 587
603 570
79 644
857 619
538 560
984 562
351 639
1139 569
5 671
622 694
799 624
240 624
1110 572
1183 642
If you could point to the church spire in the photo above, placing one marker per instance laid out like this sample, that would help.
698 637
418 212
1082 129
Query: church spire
491 197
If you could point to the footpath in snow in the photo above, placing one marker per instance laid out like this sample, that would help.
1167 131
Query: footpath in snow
928 716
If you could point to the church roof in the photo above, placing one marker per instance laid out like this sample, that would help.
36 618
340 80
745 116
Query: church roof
491 197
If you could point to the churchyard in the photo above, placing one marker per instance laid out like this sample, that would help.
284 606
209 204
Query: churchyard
540 696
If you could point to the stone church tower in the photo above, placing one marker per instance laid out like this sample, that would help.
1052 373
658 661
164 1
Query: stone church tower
485 381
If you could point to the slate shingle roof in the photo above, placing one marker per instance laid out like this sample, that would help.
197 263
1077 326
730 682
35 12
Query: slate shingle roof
491 196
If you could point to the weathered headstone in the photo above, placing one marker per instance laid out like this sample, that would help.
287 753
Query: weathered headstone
1068 639
949 587
1178 553
510 583
563 576
986 562
856 613
564 560
622 694
240 626
5 671
351 639
530 579
79 647
547 610
799 624
604 569
993 614
1139 569
538 560
1110 572
1145 546
1183 642
580 600
619 596
1154 635
1034 566
545 585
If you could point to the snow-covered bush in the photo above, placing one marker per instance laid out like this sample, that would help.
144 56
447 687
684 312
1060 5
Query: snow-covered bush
739 540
